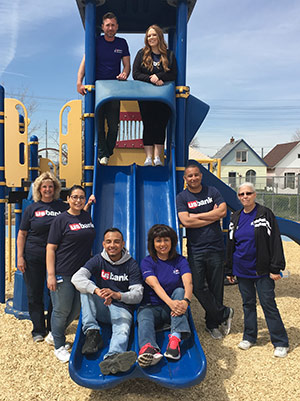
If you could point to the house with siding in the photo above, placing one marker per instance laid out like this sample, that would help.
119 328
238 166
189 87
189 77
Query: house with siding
284 168
240 163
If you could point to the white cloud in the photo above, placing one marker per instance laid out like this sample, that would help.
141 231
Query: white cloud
8 33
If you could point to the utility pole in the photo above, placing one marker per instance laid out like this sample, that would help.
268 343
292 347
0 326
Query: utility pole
46 135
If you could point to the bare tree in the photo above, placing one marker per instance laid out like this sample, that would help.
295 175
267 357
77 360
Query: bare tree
23 95
296 136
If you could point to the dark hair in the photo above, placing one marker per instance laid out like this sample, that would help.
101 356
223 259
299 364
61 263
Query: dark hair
162 231
74 187
109 15
113 230
192 164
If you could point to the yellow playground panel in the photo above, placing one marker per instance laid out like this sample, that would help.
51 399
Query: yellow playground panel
70 142
16 147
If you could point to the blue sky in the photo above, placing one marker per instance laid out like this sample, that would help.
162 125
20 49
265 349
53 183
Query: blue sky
243 60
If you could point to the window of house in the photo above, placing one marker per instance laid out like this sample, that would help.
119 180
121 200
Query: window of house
241 156
289 180
232 179
251 176
298 155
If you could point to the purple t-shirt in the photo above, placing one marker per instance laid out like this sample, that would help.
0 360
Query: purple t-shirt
109 56
244 256
205 238
167 272
74 236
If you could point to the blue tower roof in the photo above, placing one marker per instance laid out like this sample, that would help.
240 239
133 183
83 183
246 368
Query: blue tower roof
135 16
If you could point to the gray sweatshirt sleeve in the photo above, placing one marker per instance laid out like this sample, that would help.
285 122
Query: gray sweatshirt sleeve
81 280
134 295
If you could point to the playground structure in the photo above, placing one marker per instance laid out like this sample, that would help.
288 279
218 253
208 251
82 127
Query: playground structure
129 195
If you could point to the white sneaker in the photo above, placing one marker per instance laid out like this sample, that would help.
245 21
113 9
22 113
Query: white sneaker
215 333
62 354
245 344
50 340
157 161
148 161
103 160
281 352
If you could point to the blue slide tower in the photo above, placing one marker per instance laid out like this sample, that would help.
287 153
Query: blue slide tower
133 197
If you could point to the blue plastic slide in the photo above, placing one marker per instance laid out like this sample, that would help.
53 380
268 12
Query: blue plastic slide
133 198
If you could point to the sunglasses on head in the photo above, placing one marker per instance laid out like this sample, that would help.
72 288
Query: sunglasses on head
245 193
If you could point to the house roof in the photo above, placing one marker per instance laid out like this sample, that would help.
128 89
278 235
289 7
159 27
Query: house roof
228 147
195 154
279 152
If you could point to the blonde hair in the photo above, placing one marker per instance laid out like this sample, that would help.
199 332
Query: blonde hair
162 47
36 194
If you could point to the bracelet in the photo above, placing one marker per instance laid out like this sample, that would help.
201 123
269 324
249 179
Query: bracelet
187 300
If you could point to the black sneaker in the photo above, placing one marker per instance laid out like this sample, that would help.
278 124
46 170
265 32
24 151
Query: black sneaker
173 349
118 363
93 342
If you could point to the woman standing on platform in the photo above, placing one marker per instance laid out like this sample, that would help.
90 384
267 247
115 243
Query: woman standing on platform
31 244
69 247
154 64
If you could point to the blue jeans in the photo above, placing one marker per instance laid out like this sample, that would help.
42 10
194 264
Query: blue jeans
265 290
93 311
151 316
208 285
106 142
66 308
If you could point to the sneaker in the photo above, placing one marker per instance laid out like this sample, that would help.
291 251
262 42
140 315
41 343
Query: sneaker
103 160
226 326
148 356
93 342
50 340
37 338
118 363
157 161
245 344
281 352
173 349
215 333
148 161
62 354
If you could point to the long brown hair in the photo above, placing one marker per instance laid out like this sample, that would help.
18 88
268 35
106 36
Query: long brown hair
162 47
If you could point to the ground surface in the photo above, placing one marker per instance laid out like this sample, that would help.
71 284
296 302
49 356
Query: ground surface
31 372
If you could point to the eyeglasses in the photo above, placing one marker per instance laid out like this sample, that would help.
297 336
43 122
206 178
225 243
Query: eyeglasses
76 197
246 193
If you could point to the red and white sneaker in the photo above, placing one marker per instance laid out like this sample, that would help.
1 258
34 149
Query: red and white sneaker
148 356
173 349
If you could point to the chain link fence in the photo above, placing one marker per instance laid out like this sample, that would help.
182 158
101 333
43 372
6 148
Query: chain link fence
280 194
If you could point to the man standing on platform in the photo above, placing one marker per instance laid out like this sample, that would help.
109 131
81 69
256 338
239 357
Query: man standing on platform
110 51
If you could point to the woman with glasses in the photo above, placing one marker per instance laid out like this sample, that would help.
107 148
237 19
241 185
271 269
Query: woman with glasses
69 247
255 256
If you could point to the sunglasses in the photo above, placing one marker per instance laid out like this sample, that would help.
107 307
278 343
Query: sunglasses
246 193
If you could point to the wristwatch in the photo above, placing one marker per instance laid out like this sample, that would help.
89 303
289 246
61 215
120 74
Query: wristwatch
187 300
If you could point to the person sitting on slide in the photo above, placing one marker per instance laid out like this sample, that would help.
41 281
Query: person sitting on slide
111 299
167 295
